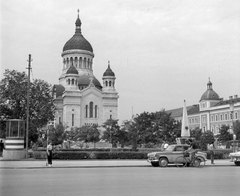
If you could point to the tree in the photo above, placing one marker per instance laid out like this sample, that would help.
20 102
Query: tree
206 138
87 134
236 128
13 104
57 134
112 128
224 135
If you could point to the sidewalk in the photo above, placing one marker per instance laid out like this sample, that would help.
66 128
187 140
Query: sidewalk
33 163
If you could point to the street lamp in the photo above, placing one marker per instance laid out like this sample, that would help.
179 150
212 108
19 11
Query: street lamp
232 129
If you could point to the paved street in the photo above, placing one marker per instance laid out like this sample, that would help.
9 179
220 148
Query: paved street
131 180
32 163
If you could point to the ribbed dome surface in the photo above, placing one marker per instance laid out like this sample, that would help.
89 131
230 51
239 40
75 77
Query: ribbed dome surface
84 80
72 70
78 41
210 94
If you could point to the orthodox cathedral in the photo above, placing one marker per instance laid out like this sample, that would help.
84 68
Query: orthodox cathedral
80 99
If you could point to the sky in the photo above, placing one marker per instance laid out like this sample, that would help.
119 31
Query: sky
162 52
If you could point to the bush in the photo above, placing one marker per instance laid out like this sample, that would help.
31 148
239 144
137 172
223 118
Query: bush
78 155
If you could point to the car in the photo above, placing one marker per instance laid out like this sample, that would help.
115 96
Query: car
235 156
169 155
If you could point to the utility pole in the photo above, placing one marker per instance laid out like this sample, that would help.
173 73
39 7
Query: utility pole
28 92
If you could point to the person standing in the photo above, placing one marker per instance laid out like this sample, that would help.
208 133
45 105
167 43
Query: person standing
49 154
211 147
1 147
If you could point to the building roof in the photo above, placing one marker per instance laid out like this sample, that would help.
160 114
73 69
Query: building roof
109 71
227 102
72 70
58 89
84 80
194 109
78 41
209 94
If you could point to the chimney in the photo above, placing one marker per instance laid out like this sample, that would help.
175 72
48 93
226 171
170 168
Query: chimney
230 97
235 96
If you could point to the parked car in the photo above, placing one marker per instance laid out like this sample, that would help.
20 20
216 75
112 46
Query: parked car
168 156
235 156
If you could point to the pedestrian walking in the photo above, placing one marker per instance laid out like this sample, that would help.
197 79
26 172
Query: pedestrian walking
49 154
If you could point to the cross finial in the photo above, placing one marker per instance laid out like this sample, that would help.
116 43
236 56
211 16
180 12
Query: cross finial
108 63
78 12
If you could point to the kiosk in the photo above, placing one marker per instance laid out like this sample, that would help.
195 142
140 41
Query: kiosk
14 143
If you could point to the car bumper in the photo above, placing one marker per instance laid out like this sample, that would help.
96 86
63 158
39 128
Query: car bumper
152 159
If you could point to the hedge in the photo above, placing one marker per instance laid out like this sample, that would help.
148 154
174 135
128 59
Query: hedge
73 155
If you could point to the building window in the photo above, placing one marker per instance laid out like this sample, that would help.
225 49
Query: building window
86 114
212 117
203 119
95 111
106 83
236 115
221 117
231 116
110 83
226 116
91 109
216 118
72 120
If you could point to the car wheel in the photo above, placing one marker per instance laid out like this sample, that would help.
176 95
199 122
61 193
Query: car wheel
163 162
155 164
196 162
237 163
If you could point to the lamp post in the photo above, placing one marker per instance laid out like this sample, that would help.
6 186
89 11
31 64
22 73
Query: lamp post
232 130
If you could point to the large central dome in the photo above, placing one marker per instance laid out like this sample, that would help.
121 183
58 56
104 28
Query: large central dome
78 41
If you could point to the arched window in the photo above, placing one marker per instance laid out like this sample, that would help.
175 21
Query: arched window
84 63
86 111
71 61
76 62
69 82
106 83
110 83
72 120
80 62
72 81
95 111
91 109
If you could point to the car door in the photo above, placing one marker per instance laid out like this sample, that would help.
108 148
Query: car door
177 151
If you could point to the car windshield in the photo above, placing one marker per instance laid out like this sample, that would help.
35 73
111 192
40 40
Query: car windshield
170 148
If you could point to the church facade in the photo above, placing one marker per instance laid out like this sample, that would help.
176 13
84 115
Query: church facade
211 112
80 98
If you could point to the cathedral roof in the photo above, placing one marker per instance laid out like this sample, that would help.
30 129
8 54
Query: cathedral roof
209 94
58 90
78 41
84 80
72 70
109 71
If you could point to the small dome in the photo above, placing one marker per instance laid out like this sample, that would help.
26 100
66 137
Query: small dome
109 71
72 70
84 80
78 41
210 94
